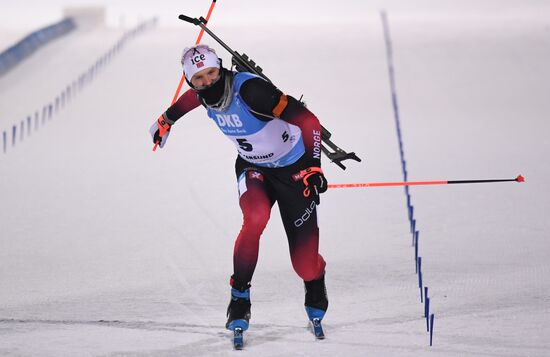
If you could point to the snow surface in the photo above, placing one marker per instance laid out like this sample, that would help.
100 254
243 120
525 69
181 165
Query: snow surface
109 249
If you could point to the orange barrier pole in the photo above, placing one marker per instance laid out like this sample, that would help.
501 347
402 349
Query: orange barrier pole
199 38
182 80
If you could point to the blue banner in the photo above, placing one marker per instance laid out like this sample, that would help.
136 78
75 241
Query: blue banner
28 45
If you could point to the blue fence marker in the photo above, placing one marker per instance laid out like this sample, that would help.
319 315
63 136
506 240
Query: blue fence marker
40 37
420 288
416 254
22 130
420 279
29 120
427 312
425 300
13 134
410 209
432 320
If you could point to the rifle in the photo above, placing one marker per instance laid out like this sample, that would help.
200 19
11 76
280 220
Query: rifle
243 63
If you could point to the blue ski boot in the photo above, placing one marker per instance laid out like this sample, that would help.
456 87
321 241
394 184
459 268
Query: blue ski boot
238 311
316 304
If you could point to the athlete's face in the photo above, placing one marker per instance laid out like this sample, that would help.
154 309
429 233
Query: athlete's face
205 78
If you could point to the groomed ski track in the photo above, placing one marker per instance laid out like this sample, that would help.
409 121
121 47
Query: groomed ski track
109 249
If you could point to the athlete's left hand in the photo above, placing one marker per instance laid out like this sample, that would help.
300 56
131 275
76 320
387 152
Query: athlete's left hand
315 183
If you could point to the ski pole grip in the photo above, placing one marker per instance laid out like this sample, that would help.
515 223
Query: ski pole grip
189 19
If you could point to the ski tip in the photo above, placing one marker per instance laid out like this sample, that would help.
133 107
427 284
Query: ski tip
319 335
238 339
520 178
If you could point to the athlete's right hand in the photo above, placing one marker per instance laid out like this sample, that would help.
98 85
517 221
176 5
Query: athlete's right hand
160 131
314 182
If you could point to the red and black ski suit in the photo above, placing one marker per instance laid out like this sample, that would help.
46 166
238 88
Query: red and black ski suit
265 186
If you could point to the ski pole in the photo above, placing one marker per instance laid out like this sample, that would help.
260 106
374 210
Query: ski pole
519 178
182 80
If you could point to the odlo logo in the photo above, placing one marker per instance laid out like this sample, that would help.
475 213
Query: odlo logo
306 215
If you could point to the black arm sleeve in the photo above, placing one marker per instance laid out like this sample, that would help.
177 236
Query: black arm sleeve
261 96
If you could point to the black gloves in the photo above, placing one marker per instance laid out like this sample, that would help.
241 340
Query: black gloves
314 181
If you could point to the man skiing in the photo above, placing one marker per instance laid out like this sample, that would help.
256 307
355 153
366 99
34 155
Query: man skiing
279 160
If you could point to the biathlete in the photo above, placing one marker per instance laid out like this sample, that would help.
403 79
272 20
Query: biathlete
279 160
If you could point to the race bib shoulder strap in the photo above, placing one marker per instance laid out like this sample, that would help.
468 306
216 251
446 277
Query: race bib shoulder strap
281 106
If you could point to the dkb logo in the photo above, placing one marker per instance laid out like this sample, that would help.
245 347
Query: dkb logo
229 120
